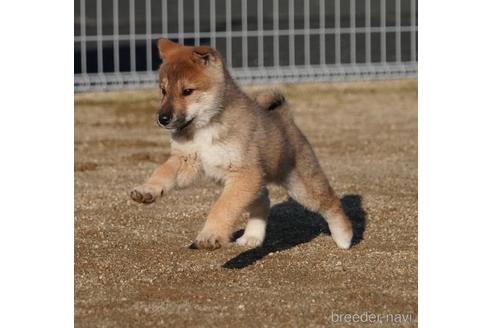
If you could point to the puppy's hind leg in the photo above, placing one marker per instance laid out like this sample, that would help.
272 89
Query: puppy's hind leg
254 234
311 189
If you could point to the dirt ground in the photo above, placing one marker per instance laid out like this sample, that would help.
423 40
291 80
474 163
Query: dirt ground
133 267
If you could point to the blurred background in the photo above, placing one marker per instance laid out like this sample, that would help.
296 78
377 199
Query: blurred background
262 41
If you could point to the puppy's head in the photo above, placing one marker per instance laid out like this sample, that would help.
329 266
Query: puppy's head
192 83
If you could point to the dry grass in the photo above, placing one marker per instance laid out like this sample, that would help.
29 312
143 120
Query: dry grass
132 264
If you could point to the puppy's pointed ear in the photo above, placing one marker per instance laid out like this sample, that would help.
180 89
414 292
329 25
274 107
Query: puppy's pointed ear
205 55
166 46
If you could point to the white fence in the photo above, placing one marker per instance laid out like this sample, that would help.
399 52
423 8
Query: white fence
262 41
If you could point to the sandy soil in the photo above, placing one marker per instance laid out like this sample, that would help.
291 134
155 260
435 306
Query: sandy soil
133 267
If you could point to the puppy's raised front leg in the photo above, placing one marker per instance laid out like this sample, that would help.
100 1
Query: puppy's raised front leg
176 171
240 190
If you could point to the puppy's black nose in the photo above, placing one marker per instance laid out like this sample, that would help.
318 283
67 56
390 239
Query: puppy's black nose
164 118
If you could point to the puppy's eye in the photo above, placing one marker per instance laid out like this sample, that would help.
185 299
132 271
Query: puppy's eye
163 92
187 92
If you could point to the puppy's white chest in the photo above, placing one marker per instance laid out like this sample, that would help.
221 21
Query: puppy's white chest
216 156
216 159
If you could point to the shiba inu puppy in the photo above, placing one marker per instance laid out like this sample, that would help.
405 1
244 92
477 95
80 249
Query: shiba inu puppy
218 131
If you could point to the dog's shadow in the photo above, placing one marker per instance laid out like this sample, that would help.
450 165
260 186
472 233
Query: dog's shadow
290 224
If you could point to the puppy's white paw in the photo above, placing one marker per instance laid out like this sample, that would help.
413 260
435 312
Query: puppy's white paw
250 241
343 239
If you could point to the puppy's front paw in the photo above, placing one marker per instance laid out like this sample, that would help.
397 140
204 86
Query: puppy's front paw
146 193
211 239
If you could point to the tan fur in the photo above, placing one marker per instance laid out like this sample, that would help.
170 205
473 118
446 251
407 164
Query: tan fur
219 132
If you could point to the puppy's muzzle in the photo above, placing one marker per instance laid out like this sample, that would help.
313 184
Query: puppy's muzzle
164 118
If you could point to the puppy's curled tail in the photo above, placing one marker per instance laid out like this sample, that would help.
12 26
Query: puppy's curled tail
270 100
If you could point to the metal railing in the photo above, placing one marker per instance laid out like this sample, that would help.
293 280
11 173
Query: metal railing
262 41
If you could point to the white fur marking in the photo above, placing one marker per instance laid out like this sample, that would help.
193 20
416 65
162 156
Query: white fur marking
203 109
254 234
216 157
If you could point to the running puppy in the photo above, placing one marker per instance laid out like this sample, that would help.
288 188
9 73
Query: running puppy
218 131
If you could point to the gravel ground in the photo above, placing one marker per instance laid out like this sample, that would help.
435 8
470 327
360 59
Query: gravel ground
133 267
